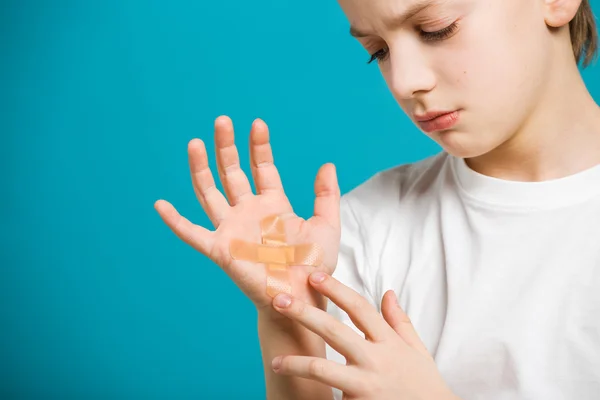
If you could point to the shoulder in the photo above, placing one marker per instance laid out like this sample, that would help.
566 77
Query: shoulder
388 188
375 215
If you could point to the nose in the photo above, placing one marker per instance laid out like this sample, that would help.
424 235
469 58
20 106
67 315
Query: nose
409 71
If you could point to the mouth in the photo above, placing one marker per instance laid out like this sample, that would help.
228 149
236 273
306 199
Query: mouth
437 121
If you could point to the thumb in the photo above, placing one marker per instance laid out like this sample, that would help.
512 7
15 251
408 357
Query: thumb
327 192
401 323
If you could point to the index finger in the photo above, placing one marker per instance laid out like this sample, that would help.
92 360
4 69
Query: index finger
338 335
265 174
362 313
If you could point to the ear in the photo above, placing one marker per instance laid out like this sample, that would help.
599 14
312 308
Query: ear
560 12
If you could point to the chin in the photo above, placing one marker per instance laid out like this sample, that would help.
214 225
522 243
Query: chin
460 144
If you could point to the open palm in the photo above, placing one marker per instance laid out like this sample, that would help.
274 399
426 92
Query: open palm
237 215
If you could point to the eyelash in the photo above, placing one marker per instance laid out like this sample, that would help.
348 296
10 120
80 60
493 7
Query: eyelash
436 36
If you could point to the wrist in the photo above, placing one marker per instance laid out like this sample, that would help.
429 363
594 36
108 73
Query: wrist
271 319
280 337
269 315
276 326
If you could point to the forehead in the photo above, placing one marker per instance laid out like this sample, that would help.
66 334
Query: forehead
369 8
366 13
365 10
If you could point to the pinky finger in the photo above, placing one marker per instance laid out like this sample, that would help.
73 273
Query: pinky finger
333 374
196 236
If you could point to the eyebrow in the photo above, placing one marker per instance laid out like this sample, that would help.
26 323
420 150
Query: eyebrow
397 20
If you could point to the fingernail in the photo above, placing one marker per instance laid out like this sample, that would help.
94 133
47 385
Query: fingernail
283 300
276 363
317 277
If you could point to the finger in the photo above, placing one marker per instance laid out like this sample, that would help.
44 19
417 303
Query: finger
265 174
196 236
338 335
343 377
327 192
234 180
212 200
361 312
401 323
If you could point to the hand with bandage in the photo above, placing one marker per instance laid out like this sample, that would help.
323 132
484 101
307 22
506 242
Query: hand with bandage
258 240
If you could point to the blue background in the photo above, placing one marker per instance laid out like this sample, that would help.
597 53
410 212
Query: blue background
98 102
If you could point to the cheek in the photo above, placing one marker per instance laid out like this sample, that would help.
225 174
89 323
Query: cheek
489 70
505 60
476 61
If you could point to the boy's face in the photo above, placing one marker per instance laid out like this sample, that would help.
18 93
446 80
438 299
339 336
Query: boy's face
489 59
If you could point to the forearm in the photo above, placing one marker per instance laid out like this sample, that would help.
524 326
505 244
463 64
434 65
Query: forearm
285 337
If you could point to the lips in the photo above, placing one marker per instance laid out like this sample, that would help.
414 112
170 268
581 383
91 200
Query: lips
437 120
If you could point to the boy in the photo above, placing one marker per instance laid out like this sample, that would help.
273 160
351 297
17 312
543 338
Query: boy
492 245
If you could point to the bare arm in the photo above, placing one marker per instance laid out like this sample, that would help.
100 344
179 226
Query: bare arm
282 336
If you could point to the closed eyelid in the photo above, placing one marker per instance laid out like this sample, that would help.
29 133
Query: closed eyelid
431 16
440 24
435 21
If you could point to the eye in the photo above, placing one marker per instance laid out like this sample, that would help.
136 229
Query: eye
379 55
439 35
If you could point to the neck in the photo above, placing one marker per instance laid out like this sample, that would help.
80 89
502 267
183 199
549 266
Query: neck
560 138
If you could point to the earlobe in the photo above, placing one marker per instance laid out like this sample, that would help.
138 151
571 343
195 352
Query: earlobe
560 12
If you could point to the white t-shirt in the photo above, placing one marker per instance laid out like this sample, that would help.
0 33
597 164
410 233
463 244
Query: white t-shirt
501 279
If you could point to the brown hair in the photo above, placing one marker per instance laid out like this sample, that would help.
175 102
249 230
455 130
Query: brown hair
584 35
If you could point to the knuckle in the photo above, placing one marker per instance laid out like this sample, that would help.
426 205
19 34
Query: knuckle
301 308
178 224
404 318
231 169
264 164
315 368
358 305
331 330
369 356
208 192
325 191
298 308
373 382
